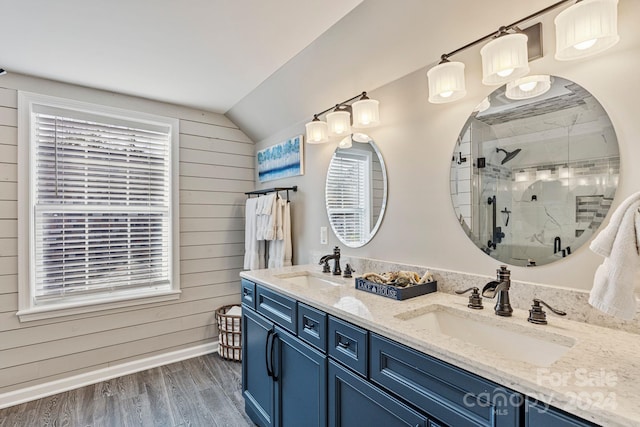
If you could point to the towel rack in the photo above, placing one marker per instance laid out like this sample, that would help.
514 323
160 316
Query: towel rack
272 190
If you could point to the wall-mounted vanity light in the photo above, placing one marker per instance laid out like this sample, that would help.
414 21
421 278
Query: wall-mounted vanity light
504 58
343 117
586 28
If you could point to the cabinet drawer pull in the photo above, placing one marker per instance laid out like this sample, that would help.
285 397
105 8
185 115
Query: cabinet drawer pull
344 344
246 292
308 324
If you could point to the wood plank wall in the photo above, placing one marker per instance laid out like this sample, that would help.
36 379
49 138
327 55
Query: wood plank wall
216 168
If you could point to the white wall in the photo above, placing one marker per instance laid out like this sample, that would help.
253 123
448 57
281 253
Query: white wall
216 167
417 139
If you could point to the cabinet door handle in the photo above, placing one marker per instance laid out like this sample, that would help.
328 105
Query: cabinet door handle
343 344
273 344
267 353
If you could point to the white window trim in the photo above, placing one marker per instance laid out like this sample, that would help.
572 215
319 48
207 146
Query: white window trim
27 311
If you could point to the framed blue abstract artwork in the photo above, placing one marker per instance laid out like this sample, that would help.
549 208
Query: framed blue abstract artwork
281 160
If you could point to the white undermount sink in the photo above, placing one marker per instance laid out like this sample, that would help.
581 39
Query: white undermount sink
308 279
510 341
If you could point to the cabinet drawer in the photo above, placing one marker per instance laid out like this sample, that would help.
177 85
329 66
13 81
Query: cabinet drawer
277 308
348 344
449 394
541 415
312 326
248 293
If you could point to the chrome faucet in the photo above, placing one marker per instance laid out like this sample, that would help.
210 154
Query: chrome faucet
336 262
501 288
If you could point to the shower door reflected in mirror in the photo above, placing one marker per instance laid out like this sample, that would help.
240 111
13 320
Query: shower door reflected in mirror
356 193
532 180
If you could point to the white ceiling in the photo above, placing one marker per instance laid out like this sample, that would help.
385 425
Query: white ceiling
206 54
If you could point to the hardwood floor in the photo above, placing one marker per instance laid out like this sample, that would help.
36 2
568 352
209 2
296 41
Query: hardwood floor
203 391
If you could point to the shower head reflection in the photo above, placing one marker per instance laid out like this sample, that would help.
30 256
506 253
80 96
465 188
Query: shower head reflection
509 155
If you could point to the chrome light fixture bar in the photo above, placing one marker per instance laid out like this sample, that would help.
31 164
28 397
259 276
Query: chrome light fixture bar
584 29
361 114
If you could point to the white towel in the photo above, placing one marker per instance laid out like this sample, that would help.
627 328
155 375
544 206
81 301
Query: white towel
265 211
251 244
280 250
614 282
281 203
270 223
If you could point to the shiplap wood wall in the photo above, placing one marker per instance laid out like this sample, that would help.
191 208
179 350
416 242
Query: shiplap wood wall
216 168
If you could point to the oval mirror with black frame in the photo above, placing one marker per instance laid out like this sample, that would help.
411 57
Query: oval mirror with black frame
533 179
356 192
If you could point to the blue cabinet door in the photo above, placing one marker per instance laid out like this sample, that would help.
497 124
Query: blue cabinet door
354 402
301 382
257 384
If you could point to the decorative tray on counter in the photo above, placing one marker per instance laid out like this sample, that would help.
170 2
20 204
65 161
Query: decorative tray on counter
395 292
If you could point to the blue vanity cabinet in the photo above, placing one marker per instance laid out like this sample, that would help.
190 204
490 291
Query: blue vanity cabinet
355 402
304 367
542 415
284 380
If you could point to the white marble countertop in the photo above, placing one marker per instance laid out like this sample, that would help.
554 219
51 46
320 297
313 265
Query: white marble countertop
596 379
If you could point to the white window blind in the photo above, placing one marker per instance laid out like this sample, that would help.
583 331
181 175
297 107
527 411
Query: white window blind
347 195
101 198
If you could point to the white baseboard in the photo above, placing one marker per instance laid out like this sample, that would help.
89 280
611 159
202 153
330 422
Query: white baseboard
27 394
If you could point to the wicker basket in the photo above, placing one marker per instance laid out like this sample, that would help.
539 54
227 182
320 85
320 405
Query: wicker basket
229 333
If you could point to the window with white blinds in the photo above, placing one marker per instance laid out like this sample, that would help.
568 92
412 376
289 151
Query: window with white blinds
347 195
100 205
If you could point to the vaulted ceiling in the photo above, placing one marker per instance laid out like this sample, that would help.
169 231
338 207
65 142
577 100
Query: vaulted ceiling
266 64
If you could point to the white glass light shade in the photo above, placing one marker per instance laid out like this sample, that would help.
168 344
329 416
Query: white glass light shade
339 123
361 137
483 106
345 142
504 59
317 132
528 87
365 113
446 82
586 28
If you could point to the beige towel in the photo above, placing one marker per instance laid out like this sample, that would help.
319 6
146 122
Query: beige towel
614 282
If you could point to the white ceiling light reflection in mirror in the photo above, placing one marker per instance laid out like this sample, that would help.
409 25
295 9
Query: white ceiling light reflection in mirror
356 191
533 179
